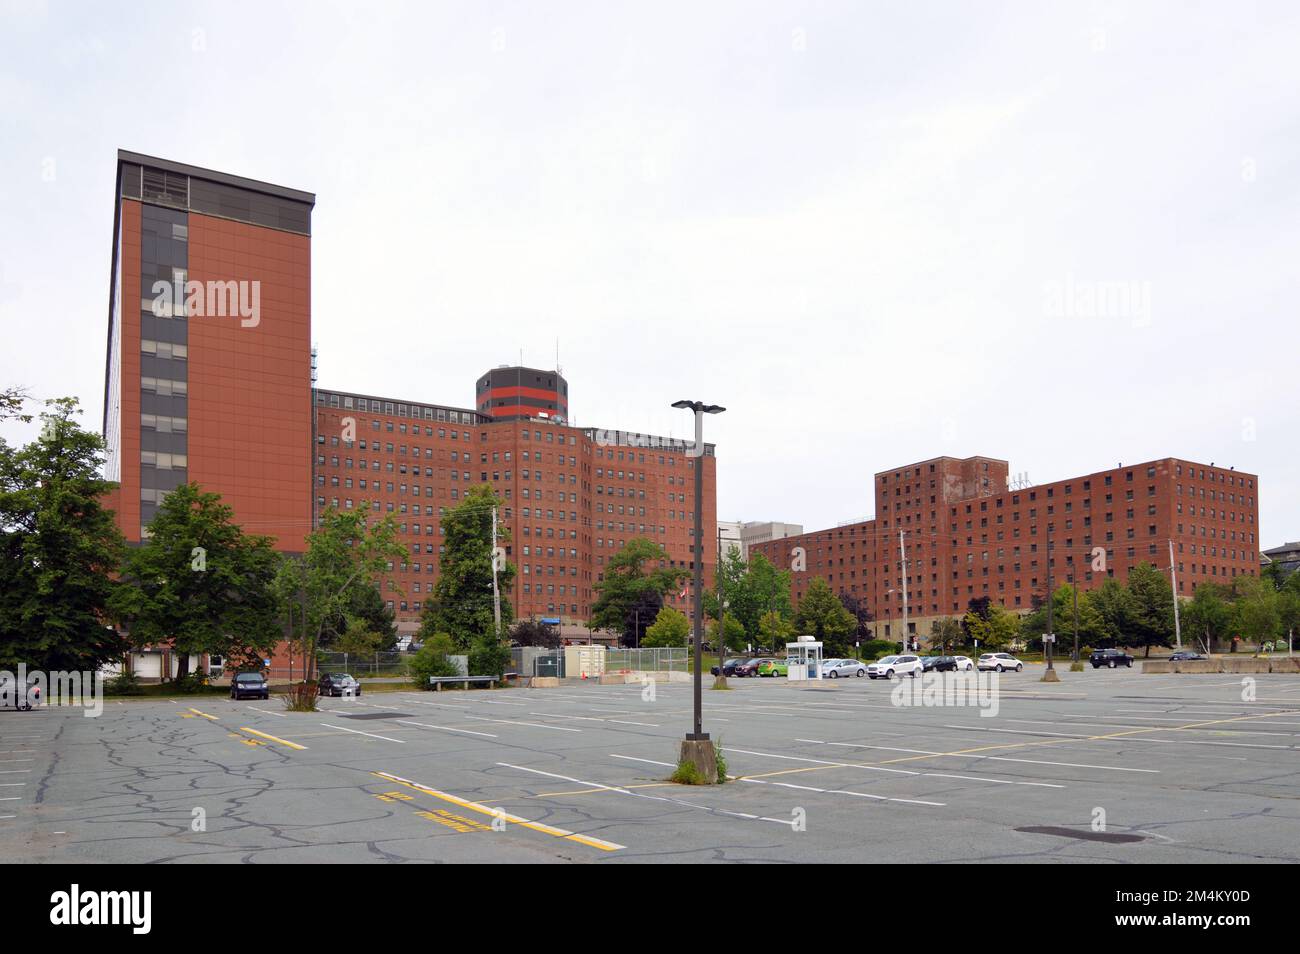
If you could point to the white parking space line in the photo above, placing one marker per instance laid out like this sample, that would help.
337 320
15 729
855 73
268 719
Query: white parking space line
17 760
341 728
535 725
898 771
11 798
1154 728
447 728
842 791
15 771
1121 740
278 715
556 715
631 758
992 758
600 786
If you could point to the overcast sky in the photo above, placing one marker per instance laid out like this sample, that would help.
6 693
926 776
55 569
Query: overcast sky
872 231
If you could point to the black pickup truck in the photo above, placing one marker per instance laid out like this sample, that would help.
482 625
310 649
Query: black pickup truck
1110 657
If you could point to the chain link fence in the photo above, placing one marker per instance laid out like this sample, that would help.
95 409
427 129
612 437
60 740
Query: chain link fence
654 659
363 664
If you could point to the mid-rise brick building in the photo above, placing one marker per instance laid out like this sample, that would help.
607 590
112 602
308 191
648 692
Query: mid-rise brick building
571 497
224 397
970 532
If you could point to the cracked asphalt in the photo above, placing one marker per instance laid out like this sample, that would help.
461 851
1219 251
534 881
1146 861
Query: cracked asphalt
822 773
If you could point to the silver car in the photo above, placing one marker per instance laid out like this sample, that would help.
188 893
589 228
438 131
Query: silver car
834 668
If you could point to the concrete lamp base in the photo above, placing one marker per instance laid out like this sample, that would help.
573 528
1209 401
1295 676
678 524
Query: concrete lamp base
699 752
1050 676
720 682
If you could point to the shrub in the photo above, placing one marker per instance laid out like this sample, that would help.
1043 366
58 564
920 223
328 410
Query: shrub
432 659
127 684
873 649
721 761
193 681
488 657
686 774
301 697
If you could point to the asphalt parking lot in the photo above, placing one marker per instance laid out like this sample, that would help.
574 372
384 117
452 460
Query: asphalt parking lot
1106 766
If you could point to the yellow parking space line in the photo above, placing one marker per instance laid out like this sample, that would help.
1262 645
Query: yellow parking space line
204 714
505 816
292 745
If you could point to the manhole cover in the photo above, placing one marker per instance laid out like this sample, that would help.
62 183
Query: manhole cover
374 715
1114 838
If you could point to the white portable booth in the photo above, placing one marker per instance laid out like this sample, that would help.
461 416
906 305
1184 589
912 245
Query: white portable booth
804 659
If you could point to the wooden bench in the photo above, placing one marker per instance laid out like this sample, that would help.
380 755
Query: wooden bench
438 681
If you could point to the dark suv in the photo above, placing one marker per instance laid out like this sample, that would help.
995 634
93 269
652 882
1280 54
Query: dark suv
939 663
1110 657
249 685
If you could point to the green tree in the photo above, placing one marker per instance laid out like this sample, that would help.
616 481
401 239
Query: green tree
635 578
12 401
1288 608
462 605
1114 606
670 628
1207 616
1255 614
198 583
345 553
946 635
1092 628
735 632
58 549
367 605
821 615
774 630
1151 622
994 631
358 640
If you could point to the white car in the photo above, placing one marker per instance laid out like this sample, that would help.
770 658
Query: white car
964 663
834 668
1000 662
891 666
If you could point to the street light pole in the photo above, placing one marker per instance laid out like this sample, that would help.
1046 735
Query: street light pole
697 748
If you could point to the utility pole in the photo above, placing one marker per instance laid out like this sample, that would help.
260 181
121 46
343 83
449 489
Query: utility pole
1075 586
496 592
1173 586
902 548
1050 675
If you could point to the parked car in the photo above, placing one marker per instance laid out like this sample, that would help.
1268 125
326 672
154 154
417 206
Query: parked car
940 663
1183 655
774 667
22 699
729 668
249 685
338 684
834 668
964 663
891 666
747 667
999 662
1110 658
